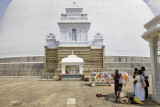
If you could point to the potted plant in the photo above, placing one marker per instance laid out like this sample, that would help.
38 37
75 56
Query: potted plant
60 77
83 77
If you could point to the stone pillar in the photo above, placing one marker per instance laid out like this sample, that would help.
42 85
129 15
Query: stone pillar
153 63
104 66
63 69
67 35
62 33
86 35
45 61
80 33
81 69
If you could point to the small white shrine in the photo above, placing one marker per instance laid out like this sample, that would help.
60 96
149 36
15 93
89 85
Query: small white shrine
152 35
72 65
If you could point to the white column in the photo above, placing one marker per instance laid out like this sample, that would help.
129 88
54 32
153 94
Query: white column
62 33
83 34
63 69
81 69
65 31
68 36
86 35
152 56
87 28
80 33
158 56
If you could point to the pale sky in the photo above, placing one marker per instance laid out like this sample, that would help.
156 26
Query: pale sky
3 5
153 4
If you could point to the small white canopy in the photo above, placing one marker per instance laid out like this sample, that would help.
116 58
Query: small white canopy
72 59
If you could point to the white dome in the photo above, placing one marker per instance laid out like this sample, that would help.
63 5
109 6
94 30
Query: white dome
26 23
72 59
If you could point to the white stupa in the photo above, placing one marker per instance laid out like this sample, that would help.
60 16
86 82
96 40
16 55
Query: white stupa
25 24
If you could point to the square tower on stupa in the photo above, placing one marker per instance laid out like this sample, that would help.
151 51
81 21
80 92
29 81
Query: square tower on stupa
74 26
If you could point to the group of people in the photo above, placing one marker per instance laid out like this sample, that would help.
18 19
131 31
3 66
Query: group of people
140 90
140 76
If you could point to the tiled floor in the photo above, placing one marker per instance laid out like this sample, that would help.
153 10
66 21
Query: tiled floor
36 93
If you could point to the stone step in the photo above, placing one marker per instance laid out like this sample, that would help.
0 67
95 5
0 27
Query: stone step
71 79
130 71
22 65
21 77
17 72
127 65
127 59
72 75
23 59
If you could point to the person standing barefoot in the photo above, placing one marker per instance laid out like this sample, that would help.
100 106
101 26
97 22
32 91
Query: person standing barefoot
134 76
146 76
116 83
139 92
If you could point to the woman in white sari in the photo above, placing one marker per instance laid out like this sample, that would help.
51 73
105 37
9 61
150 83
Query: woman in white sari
139 92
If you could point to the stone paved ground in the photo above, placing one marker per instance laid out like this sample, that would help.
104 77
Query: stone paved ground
36 93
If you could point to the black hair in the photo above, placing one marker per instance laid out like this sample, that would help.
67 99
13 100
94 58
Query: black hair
135 69
139 72
116 70
143 68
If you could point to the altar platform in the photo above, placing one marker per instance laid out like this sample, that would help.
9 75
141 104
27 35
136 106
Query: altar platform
72 76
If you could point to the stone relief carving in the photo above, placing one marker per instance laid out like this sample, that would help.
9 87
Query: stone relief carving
93 58
98 35
51 36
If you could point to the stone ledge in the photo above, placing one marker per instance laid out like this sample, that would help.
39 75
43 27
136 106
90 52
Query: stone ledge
21 77
22 59
22 63
126 59
72 75
156 99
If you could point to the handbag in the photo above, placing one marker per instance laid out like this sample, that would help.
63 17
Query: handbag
143 83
